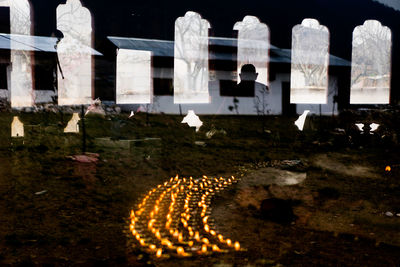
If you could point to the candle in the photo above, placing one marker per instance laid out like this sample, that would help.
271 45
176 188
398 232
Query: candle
159 253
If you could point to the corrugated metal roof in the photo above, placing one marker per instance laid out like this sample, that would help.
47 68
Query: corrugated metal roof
164 48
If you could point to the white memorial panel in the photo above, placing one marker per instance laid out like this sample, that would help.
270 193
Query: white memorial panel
75 54
253 47
134 77
310 60
371 64
21 82
191 59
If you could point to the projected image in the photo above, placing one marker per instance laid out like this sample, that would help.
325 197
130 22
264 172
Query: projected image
253 46
74 54
371 61
310 59
134 79
21 72
191 59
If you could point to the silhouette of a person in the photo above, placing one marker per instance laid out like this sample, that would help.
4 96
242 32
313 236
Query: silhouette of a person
248 84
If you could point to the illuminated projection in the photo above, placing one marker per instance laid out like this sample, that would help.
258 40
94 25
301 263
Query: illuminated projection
21 85
134 79
73 124
17 128
253 46
310 60
174 218
301 120
192 120
75 54
371 62
191 59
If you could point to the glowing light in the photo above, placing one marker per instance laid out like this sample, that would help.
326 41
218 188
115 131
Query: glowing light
180 251
154 209
237 246
360 126
215 248
374 127
197 236
388 168
159 253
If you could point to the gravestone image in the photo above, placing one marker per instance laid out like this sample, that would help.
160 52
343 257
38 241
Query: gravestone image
191 59
310 60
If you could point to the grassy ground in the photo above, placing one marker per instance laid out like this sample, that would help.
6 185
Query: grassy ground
80 217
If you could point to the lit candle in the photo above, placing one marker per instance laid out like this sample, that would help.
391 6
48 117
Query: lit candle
158 235
159 253
180 237
204 248
180 251
237 246
215 248
220 238
197 236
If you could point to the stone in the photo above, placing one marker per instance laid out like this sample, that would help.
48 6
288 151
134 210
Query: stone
95 108
277 210
389 214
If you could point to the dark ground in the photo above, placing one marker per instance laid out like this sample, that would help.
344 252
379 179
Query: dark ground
81 218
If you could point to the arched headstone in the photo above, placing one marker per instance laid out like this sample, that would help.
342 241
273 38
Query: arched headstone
253 46
75 83
191 59
371 63
134 77
20 71
310 60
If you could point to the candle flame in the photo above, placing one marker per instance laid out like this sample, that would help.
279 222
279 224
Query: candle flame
159 253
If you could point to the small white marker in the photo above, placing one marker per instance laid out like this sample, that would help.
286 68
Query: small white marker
192 120
301 120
